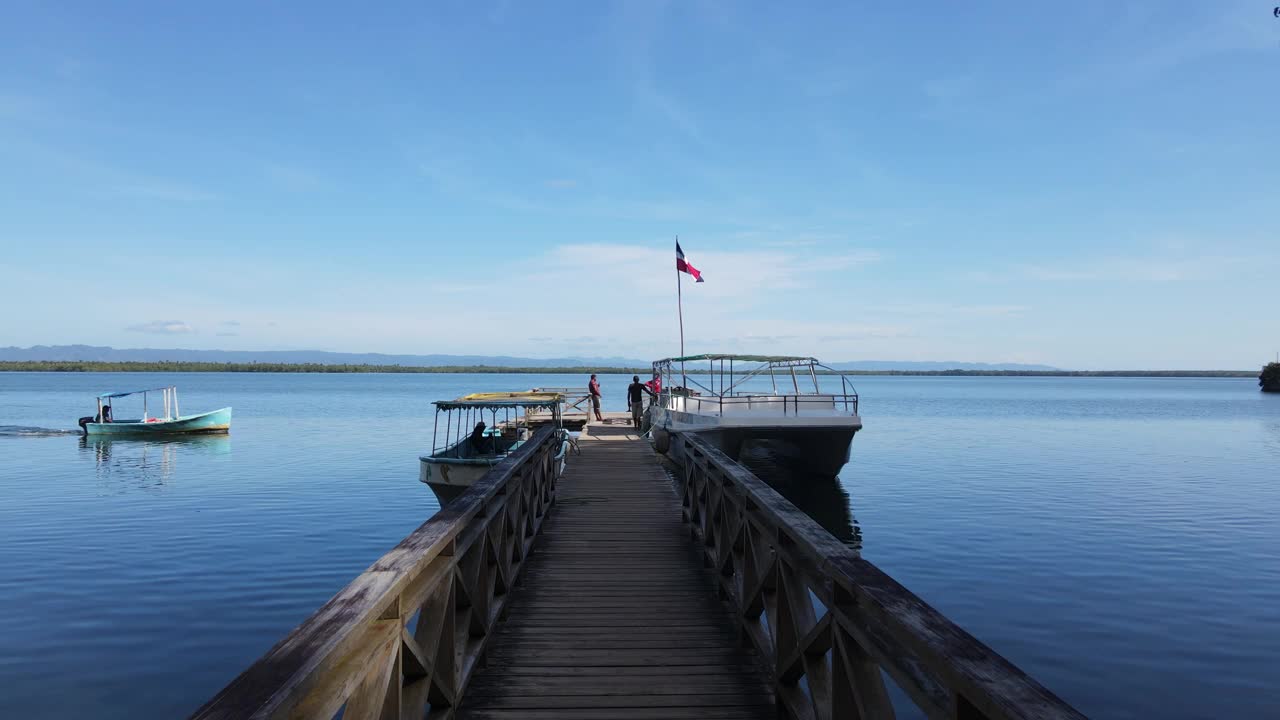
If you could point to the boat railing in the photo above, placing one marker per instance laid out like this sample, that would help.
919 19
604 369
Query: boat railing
500 419
786 405
725 388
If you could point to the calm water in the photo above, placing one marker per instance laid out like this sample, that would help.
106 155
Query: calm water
1119 539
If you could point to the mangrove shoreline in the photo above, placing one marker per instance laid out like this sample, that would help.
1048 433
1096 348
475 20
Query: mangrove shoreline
207 367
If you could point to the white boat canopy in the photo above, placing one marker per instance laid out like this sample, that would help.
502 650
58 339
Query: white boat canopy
725 378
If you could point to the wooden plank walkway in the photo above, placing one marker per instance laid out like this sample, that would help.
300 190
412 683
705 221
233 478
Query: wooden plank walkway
615 616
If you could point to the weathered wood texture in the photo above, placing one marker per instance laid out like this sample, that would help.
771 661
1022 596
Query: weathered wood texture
615 616
402 640
827 621
721 600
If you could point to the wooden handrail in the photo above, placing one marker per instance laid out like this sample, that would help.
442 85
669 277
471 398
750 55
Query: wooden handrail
817 611
574 397
402 639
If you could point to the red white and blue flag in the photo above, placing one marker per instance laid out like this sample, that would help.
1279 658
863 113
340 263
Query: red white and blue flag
683 265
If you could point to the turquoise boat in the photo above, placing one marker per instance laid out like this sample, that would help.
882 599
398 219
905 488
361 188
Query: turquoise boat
167 421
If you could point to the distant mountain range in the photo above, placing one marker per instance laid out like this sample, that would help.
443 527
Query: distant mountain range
931 365
92 353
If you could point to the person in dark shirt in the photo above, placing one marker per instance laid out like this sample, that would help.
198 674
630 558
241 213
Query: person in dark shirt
635 398
480 444
103 417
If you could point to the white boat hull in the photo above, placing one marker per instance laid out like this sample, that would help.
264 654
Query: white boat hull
448 480
817 442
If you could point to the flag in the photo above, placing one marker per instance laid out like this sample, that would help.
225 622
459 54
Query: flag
683 265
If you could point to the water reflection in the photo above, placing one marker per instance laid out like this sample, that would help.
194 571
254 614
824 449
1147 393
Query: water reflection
147 463
1271 437
821 497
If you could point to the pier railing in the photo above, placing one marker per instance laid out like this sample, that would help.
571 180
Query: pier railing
826 621
403 638
576 399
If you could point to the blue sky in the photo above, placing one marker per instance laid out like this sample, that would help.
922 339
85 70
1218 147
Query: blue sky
1088 185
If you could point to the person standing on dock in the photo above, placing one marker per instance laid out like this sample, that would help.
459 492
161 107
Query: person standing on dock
594 387
655 384
635 398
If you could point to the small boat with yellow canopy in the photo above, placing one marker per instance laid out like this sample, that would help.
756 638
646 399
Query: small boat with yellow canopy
475 432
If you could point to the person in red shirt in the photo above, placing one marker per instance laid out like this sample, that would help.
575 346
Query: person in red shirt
655 385
594 388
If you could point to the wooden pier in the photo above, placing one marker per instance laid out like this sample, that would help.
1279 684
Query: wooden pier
615 616
613 591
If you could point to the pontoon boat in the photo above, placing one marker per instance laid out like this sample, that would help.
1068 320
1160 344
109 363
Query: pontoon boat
746 399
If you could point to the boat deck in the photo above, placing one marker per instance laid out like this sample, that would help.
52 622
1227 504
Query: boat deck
615 615
577 421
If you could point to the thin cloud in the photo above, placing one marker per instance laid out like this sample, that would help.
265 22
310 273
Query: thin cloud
948 310
1153 269
293 179
498 12
562 183
162 190
848 260
20 106
162 327
638 27
646 271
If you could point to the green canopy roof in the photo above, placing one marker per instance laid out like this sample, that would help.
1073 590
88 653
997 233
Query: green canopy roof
745 358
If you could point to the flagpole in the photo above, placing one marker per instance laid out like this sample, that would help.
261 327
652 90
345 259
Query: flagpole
684 382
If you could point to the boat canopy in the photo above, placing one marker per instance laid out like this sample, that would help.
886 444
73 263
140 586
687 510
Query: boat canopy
502 400
744 358
105 396
727 380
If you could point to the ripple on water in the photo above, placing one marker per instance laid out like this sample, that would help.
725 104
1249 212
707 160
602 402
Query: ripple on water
26 431
1115 538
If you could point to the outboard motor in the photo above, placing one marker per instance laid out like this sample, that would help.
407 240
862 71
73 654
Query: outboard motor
106 417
